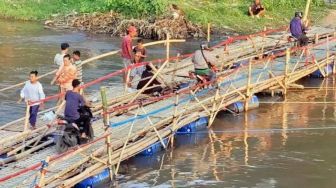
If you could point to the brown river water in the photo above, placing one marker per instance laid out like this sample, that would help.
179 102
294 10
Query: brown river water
276 145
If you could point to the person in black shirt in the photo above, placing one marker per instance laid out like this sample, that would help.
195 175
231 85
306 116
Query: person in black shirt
145 78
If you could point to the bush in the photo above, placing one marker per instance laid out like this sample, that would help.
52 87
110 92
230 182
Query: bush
138 8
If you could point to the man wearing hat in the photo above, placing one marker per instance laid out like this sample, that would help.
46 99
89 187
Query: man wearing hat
127 52
298 29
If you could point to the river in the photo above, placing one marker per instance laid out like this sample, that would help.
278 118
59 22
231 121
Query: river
276 145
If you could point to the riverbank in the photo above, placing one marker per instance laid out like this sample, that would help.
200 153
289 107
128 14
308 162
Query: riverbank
155 18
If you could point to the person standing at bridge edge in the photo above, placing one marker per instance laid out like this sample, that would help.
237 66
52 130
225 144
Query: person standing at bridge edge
298 29
204 62
32 91
127 53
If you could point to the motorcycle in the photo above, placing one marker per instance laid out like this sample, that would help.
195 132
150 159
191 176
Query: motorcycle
71 130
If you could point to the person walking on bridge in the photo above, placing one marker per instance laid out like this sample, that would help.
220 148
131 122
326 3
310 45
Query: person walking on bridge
127 53
31 92
67 74
58 60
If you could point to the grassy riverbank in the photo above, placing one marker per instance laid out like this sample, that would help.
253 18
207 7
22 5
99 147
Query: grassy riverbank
230 14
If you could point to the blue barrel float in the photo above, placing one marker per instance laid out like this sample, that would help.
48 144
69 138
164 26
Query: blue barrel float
328 69
94 181
194 126
154 148
238 107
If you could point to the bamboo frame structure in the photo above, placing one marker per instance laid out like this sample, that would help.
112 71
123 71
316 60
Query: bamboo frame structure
185 107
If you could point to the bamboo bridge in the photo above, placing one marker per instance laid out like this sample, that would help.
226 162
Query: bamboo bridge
128 123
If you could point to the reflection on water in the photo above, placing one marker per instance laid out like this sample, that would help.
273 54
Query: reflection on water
279 145
27 46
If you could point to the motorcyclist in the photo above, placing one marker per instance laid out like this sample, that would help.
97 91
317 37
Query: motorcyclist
76 110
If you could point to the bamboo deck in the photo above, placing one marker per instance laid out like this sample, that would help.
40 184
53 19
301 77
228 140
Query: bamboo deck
134 131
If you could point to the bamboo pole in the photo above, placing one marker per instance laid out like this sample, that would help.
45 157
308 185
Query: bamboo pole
22 83
26 124
175 119
156 131
175 67
95 58
209 30
126 141
288 56
146 85
167 47
248 94
213 110
306 13
107 125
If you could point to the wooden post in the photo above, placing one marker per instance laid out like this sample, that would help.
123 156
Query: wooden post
104 103
26 125
288 54
106 117
248 85
328 51
209 29
168 47
213 110
175 67
175 117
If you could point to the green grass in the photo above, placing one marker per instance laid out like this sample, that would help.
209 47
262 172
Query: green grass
45 9
221 13
233 13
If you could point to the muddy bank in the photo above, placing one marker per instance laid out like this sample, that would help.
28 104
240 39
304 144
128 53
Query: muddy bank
115 24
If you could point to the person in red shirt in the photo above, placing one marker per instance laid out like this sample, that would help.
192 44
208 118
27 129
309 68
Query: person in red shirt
127 52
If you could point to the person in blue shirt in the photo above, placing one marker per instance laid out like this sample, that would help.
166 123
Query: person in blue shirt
74 102
298 29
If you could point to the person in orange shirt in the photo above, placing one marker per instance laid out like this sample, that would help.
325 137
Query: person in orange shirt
67 74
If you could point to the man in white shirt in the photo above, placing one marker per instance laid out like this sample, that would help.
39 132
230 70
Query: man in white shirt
58 60
31 92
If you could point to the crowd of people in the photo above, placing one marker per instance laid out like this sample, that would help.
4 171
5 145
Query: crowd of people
69 75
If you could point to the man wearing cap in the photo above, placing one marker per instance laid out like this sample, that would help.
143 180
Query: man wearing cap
203 61
298 29
127 52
